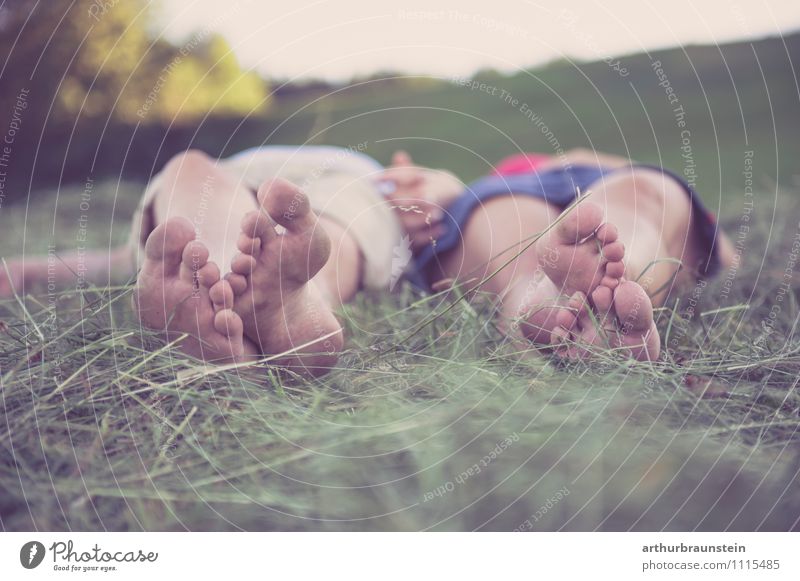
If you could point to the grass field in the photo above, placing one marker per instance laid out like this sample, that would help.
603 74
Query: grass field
735 98
447 428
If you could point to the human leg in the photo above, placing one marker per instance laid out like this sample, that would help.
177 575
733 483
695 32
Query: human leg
496 232
544 288
96 267
653 216
637 211
292 267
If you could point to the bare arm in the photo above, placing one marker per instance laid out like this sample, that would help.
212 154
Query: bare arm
420 196
63 270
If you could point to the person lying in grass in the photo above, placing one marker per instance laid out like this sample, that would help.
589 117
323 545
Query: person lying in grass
252 255
640 235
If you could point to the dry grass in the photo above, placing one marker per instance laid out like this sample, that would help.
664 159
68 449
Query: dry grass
103 427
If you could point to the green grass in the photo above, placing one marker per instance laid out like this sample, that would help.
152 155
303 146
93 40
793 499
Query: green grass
448 428
103 427
737 98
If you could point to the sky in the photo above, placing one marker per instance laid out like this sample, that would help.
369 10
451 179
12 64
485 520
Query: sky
338 39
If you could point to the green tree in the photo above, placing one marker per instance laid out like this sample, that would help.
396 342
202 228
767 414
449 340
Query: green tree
95 59
201 77
74 57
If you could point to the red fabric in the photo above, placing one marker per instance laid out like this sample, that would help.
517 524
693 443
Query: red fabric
520 163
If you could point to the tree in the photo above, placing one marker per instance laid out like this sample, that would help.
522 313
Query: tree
94 59
199 78
74 57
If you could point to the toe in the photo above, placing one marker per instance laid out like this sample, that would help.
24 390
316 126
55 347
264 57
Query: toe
607 233
307 247
208 275
611 282
229 324
577 302
247 245
614 252
566 319
633 307
195 257
221 295
167 241
286 204
258 225
602 297
243 264
579 305
238 283
559 336
615 269
582 221
195 254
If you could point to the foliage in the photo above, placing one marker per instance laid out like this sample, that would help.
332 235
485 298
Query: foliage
97 60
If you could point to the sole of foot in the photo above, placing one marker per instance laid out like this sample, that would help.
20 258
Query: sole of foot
172 295
577 256
271 284
619 318
582 251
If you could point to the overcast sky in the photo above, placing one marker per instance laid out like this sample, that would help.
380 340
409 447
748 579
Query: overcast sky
337 39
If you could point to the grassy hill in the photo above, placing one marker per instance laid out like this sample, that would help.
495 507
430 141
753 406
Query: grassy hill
736 98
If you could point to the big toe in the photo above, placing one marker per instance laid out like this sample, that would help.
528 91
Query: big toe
166 243
286 204
305 248
582 221
633 307
229 323
637 332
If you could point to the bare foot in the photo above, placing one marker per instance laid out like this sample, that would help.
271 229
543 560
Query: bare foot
576 254
172 295
619 318
584 259
282 308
